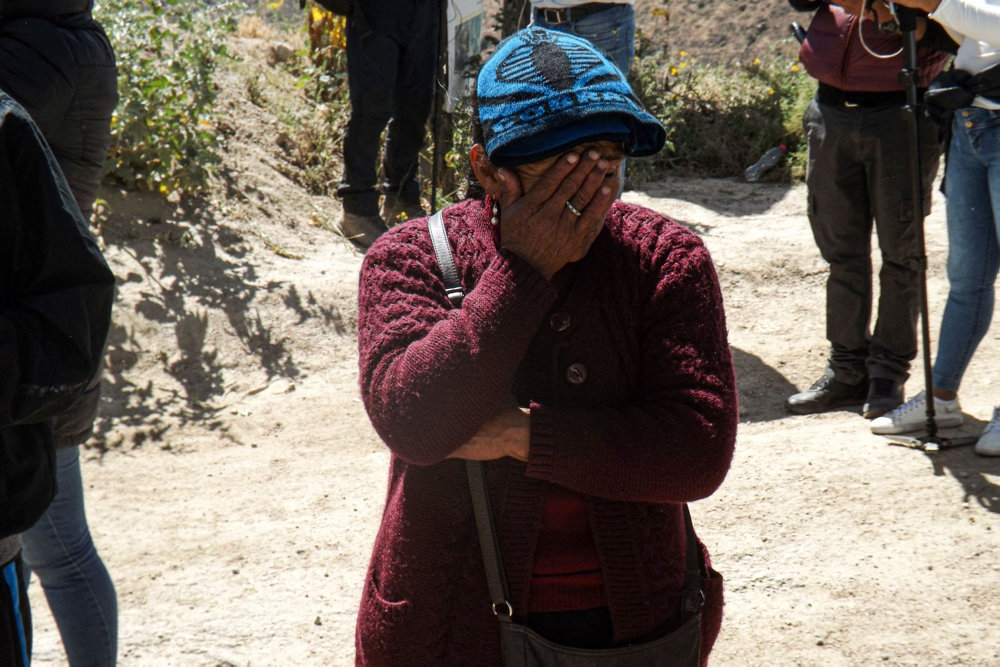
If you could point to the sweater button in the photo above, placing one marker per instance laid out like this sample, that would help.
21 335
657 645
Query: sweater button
576 373
966 113
560 322
969 123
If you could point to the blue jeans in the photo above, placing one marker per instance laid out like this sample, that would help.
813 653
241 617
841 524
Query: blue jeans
611 30
77 586
973 189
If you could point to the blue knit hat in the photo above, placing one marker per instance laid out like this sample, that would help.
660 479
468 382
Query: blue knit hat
545 91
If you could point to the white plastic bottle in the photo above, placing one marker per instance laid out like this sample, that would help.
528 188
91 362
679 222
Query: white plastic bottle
770 158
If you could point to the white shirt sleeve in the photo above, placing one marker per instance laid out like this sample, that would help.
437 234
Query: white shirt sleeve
974 19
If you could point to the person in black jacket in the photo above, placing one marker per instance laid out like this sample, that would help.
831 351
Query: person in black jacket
57 62
56 293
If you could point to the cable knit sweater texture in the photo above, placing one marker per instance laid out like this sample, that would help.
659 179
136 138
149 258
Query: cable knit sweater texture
630 382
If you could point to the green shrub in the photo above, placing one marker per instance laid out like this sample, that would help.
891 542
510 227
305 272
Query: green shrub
321 76
164 135
720 118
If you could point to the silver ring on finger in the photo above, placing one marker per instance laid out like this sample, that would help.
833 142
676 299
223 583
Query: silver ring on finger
573 209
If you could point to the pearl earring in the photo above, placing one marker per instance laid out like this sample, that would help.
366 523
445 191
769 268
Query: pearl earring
496 214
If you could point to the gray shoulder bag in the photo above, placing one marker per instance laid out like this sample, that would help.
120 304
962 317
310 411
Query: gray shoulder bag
519 644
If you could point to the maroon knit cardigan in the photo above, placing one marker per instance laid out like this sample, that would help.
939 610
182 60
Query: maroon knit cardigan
633 403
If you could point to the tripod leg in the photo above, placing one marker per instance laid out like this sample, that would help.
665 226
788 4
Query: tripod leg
909 77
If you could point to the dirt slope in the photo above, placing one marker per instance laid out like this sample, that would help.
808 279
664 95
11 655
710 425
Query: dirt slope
720 32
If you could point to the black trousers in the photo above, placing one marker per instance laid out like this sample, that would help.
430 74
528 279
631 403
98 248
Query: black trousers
858 176
391 59
15 616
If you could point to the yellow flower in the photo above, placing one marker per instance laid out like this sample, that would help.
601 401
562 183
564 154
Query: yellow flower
683 53
795 68
164 190
659 12
682 65
770 91
673 71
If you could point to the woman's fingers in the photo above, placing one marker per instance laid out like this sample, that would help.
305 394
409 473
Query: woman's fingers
591 184
589 223
573 187
591 219
540 194
589 203
559 182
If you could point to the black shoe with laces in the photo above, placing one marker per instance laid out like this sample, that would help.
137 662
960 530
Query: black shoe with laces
884 395
826 394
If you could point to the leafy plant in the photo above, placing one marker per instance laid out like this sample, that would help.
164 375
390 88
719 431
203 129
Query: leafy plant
317 138
163 134
720 119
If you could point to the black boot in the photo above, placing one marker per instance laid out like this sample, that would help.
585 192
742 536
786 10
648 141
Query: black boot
884 395
826 393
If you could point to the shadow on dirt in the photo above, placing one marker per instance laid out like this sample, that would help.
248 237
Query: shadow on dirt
956 456
762 390
189 272
976 474
725 196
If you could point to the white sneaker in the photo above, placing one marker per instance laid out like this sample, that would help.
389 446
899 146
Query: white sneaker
912 416
989 441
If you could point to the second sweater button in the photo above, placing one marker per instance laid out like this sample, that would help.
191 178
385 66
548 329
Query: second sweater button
576 373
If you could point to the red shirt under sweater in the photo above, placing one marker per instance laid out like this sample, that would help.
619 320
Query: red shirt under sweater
567 570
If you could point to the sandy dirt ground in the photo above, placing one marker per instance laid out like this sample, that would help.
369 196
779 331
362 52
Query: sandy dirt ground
235 485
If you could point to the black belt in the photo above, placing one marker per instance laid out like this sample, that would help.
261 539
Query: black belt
555 16
851 99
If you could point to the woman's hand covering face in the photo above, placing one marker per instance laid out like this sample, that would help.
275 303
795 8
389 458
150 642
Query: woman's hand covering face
535 221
